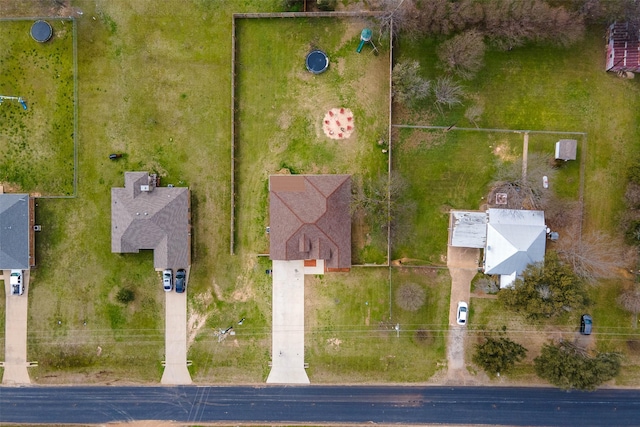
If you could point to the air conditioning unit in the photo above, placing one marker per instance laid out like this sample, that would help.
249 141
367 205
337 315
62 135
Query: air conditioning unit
144 188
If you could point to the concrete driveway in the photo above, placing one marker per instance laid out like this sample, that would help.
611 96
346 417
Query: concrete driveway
463 266
175 336
287 350
15 343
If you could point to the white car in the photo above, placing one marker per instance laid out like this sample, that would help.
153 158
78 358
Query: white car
463 309
167 280
15 280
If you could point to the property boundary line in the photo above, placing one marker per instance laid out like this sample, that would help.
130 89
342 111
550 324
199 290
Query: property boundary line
361 14
583 154
449 128
74 44
233 138
389 163
257 15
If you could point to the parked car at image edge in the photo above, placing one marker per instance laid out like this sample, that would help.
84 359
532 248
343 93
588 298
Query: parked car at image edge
167 279
585 324
181 281
15 280
461 317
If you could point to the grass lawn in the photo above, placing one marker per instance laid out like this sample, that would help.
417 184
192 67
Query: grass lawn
547 88
281 107
613 331
154 84
37 148
455 171
351 336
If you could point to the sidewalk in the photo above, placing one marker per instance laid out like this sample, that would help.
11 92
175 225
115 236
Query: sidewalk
287 350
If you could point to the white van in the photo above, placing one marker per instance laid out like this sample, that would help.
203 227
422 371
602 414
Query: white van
15 280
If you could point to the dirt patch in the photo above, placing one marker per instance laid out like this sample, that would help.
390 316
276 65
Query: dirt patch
359 230
217 291
195 322
338 123
334 343
504 152
339 66
284 121
423 139
7 187
244 290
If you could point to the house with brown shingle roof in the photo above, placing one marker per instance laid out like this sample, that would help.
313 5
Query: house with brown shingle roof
310 219
623 48
145 216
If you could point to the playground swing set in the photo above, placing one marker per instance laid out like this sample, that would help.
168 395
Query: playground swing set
365 37
17 98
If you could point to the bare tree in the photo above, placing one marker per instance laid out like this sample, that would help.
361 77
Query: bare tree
404 15
529 193
448 92
595 255
408 86
630 301
435 17
375 195
474 113
561 213
511 23
410 296
463 54
632 195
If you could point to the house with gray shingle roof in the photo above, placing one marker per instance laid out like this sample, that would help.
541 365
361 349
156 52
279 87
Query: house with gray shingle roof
145 216
16 232
310 219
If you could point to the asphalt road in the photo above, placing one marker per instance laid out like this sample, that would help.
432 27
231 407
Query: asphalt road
317 404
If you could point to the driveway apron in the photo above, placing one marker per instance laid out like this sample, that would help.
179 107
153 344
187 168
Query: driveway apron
15 344
287 352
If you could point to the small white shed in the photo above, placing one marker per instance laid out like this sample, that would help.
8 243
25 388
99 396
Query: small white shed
566 149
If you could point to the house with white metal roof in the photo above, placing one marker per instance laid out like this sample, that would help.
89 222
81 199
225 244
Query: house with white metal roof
511 238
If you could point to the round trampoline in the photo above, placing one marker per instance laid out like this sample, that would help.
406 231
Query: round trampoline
317 62
41 31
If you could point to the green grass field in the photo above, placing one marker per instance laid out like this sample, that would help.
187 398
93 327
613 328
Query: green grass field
352 337
530 88
37 148
555 89
281 107
455 171
155 85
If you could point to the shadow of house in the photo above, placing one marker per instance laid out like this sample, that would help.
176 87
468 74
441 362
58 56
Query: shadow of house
144 216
